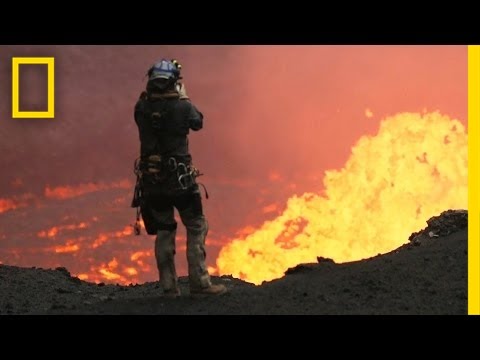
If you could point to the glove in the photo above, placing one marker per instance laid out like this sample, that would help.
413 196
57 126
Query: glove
182 91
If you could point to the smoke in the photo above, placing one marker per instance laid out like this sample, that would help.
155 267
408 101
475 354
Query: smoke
93 136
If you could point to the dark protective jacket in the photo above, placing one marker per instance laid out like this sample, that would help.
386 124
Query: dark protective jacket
164 122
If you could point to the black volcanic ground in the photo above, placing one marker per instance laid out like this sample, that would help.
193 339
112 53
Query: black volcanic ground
426 276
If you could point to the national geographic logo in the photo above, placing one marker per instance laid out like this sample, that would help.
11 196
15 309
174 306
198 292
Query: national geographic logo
16 91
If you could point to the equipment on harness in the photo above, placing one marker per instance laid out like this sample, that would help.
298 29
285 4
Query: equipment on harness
156 170
186 175
137 197
137 228
153 164
137 192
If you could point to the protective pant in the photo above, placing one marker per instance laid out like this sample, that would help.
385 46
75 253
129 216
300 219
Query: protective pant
165 256
197 229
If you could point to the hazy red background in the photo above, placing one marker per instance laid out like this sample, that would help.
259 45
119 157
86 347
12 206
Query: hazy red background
276 117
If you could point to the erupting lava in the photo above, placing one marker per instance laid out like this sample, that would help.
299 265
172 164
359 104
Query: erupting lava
414 168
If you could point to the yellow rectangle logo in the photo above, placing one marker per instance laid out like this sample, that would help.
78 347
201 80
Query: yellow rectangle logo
473 180
50 62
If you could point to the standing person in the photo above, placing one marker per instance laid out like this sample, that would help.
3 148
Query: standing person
167 179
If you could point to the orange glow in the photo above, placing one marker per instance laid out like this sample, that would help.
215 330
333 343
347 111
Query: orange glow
138 258
270 208
212 270
247 230
131 271
139 254
210 241
100 240
104 237
15 202
53 231
112 271
108 271
67 248
128 230
67 192
274 176
113 264
391 184
109 275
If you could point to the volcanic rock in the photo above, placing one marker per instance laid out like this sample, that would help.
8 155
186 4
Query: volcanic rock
426 279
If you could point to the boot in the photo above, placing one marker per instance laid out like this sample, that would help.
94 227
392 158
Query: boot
172 293
199 279
211 290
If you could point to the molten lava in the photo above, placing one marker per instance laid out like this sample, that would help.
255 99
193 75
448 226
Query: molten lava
67 248
16 202
104 237
412 169
67 192
54 230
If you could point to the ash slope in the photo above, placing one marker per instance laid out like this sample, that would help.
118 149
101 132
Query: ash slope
426 276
